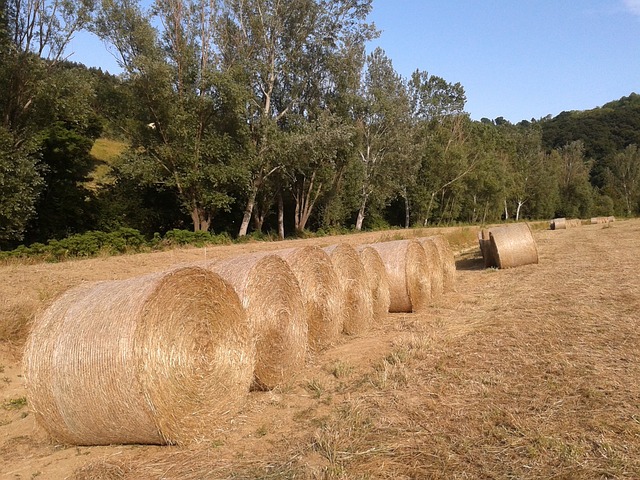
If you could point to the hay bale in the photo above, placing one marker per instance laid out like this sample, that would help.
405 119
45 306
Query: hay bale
513 245
378 280
448 262
435 267
407 268
601 220
270 293
576 222
357 303
160 359
559 224
485 248
320 290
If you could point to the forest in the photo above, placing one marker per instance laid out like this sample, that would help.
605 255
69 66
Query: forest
267 117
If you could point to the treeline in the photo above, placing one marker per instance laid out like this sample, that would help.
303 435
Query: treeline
261 116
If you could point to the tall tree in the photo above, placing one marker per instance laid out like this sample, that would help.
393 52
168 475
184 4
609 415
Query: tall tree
188 135
624 178
284 50
33 39
382 121
576 192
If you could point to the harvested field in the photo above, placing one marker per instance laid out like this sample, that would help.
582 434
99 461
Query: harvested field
528 373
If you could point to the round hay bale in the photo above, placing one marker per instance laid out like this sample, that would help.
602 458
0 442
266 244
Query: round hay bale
321 293
270 293
448 262
576 222
357 303
434 262
559 224
378 280
513 245
160 359
407 268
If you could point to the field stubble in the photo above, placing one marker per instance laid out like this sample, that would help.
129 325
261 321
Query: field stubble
523 373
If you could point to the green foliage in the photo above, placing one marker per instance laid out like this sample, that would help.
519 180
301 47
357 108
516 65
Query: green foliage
20 184
200 239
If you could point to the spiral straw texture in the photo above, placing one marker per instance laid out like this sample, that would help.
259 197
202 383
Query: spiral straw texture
513 245
448 262
408 271
271 295
357 303
378 281
436 267
161 359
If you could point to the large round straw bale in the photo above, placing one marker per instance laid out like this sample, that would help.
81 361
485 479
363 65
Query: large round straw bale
448 262
321 293
163 358
270 293
559 224
434 262
513 245
378 280
357 306
408 271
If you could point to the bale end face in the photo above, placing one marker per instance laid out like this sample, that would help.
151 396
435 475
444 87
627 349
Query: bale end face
164 358
513 245
356 294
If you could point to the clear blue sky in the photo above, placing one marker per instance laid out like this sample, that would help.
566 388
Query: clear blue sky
519 59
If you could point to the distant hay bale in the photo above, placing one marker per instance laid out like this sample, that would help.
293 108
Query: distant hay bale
408 271
160 359
378 280
448 262
270 293
600 220
559 224
576 222
485 248
320 290
435 266
513 245
356 295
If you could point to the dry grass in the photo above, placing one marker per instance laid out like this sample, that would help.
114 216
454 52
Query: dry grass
527 373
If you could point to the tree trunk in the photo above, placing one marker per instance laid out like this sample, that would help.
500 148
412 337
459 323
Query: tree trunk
426 219
248 211
280 215
201 219
518 210
506 211
407 212
361 212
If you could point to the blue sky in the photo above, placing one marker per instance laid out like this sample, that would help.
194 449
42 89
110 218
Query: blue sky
519 59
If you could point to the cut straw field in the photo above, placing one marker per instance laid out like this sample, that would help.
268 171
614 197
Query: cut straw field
530 372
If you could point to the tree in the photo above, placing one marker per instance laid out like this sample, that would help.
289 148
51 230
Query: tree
33 39
20 183
576 193
284 51
382 123
187 135
624 178
312 168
